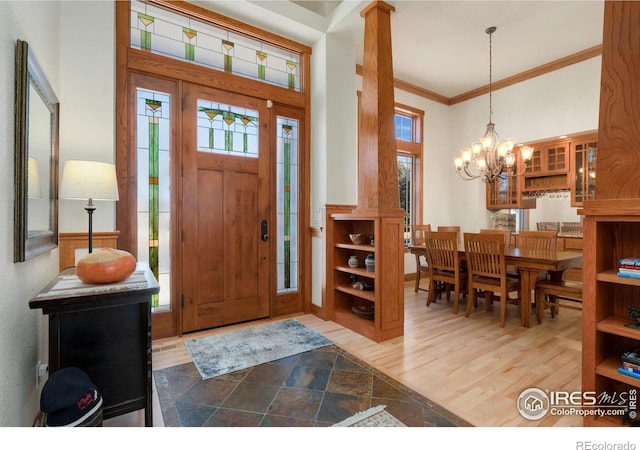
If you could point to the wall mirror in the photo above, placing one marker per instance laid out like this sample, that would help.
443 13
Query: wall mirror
36 159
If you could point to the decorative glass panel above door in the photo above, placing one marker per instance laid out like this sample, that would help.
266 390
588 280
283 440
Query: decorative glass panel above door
154 195
226 129
163 32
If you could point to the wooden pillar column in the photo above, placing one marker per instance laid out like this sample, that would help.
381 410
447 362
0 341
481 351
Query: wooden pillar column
618 160
377 163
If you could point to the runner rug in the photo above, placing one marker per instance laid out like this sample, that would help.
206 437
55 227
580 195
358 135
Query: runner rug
372 417
239 349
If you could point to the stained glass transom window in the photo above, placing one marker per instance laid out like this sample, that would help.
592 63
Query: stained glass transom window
166 33
227 129
287 203
153 192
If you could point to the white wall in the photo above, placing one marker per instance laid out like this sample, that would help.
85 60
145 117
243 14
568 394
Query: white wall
21 329
562 102
334 145
87 100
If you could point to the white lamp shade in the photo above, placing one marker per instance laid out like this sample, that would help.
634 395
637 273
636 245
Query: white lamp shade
34 190
82 180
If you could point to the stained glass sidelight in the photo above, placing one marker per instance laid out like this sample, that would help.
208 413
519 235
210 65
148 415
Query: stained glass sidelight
287 201
170 34
153 192
227 129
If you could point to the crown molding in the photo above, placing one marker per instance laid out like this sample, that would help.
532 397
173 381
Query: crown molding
509 81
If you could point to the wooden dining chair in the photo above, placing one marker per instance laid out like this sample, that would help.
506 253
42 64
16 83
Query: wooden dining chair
538 240
454 228
487 268
418 239
512 271
444 267
555 294
548 226
502 232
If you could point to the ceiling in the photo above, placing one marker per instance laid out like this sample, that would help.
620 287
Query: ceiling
440 46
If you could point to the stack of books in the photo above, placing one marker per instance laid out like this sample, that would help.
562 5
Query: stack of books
630 364
629 268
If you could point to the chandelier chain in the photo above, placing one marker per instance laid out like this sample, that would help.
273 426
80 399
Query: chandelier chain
490 31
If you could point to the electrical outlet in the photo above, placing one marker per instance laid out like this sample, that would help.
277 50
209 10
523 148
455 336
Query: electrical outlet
41 371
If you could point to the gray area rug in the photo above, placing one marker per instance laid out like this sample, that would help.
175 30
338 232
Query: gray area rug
372 417
239 349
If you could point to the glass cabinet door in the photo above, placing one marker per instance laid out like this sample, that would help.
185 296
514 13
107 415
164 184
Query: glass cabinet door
584 162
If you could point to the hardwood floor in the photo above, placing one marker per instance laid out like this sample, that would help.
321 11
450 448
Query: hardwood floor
470 366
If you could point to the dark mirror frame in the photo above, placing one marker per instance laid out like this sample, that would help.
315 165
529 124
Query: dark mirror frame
29 74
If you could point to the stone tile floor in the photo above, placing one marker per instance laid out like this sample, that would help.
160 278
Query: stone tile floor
312 389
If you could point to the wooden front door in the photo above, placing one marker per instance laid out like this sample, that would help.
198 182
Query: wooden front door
225 208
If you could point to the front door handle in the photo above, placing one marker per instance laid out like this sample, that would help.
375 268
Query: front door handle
264 230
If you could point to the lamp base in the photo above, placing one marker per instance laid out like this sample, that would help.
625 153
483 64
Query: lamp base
90 208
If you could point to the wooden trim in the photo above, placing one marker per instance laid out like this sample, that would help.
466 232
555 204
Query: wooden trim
409 276
69 242
206 15
509 81
410 110
305 193
583 135
125 207
417 90
163 66
413 89
528 74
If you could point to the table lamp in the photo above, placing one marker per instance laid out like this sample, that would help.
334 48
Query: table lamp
90 180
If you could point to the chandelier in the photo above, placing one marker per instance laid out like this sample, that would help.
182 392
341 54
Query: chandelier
488 158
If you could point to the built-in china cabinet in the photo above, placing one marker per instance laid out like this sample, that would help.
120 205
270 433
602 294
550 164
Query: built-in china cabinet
506 192
559 164
583 169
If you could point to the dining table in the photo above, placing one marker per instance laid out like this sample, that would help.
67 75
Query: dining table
530 264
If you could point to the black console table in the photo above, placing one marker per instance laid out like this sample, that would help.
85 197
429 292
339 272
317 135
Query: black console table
104 330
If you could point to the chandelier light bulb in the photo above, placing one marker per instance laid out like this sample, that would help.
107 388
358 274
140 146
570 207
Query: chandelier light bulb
526 152
503 150
509 160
